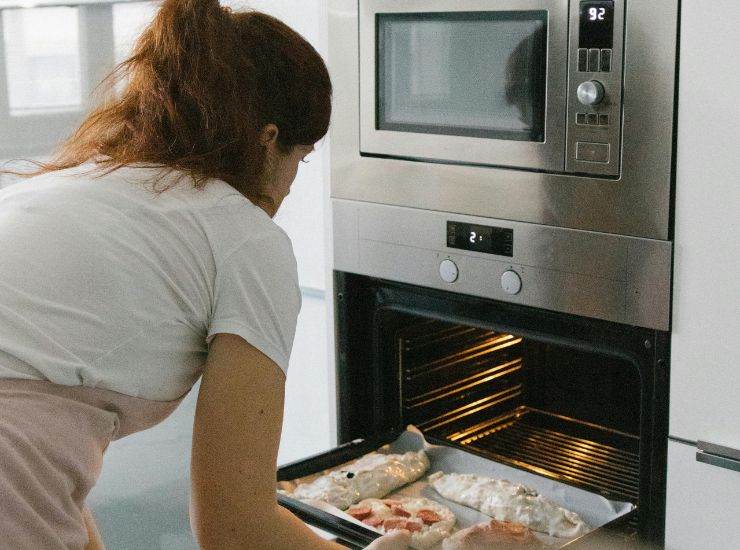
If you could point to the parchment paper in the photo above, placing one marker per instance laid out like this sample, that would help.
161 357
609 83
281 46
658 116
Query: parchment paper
593 509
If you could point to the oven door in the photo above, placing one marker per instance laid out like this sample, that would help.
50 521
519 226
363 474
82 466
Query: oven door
470 81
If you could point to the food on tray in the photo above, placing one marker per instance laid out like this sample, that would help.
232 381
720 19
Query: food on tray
502 535
372 476
507 501
428 521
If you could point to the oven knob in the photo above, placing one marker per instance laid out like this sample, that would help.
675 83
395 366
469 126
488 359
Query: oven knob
590 92
448 271
511 282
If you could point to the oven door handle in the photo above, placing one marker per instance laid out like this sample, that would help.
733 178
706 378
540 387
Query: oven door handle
717 455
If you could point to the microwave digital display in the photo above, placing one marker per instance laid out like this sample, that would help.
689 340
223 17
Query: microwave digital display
480 238
597 24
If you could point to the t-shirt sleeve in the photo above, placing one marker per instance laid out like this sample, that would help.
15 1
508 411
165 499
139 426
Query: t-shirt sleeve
257 297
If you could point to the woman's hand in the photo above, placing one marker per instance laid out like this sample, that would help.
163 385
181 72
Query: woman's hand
394 540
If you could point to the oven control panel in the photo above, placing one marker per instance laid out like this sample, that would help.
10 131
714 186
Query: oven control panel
448 271
511 282
595 87
598 275
488 239
480 238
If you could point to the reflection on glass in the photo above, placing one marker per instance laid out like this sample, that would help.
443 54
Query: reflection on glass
479 74
42 60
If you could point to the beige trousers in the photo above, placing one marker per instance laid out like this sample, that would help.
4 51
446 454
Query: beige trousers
52 440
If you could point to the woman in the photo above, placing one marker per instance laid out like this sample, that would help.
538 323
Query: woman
144 256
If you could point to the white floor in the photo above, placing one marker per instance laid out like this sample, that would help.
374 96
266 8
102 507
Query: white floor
141 499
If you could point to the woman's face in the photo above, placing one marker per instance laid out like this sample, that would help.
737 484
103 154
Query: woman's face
280 171
286 169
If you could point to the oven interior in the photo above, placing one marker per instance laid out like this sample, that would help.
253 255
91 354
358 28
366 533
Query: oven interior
562 413
578 400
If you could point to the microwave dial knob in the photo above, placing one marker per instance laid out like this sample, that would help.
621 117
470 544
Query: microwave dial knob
448 271
511 282
590 92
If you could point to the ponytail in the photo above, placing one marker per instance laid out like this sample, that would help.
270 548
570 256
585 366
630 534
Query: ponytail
200 84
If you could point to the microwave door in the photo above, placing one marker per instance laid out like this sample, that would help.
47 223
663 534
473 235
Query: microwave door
470 81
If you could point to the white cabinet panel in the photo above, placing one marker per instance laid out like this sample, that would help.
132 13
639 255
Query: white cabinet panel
705 344
703 503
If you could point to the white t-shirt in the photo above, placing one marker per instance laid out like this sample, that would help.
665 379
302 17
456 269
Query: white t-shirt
105 284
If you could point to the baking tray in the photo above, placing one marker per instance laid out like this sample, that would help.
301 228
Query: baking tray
600 513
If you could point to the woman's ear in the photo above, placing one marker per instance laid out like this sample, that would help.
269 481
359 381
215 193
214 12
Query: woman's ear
268 135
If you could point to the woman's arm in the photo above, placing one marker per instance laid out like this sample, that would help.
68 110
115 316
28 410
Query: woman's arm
94 540
235 442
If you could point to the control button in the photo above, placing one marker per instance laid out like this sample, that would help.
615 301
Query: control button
581 118
592 119
593 60
606 60
511 282
590 92
592 152
582 60
448 271
603 120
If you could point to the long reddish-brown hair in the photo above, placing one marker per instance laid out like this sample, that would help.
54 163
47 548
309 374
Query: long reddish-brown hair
200 85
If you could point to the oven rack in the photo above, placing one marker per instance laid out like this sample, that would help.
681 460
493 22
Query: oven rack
557 447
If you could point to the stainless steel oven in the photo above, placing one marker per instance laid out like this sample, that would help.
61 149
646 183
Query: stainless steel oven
562 396
501 208
568 398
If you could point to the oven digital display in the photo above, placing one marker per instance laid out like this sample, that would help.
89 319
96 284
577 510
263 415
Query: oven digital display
597 24
480 238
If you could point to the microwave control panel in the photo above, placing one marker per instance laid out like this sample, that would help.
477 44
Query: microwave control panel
595 87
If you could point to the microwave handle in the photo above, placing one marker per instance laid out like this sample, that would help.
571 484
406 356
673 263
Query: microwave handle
717 455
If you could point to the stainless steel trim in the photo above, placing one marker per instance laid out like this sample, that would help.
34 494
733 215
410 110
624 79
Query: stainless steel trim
636 203
526 154
718 455
611 277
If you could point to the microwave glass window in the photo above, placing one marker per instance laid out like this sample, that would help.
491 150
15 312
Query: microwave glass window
476 74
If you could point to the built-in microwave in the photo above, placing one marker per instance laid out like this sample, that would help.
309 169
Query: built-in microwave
527 84
558 113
